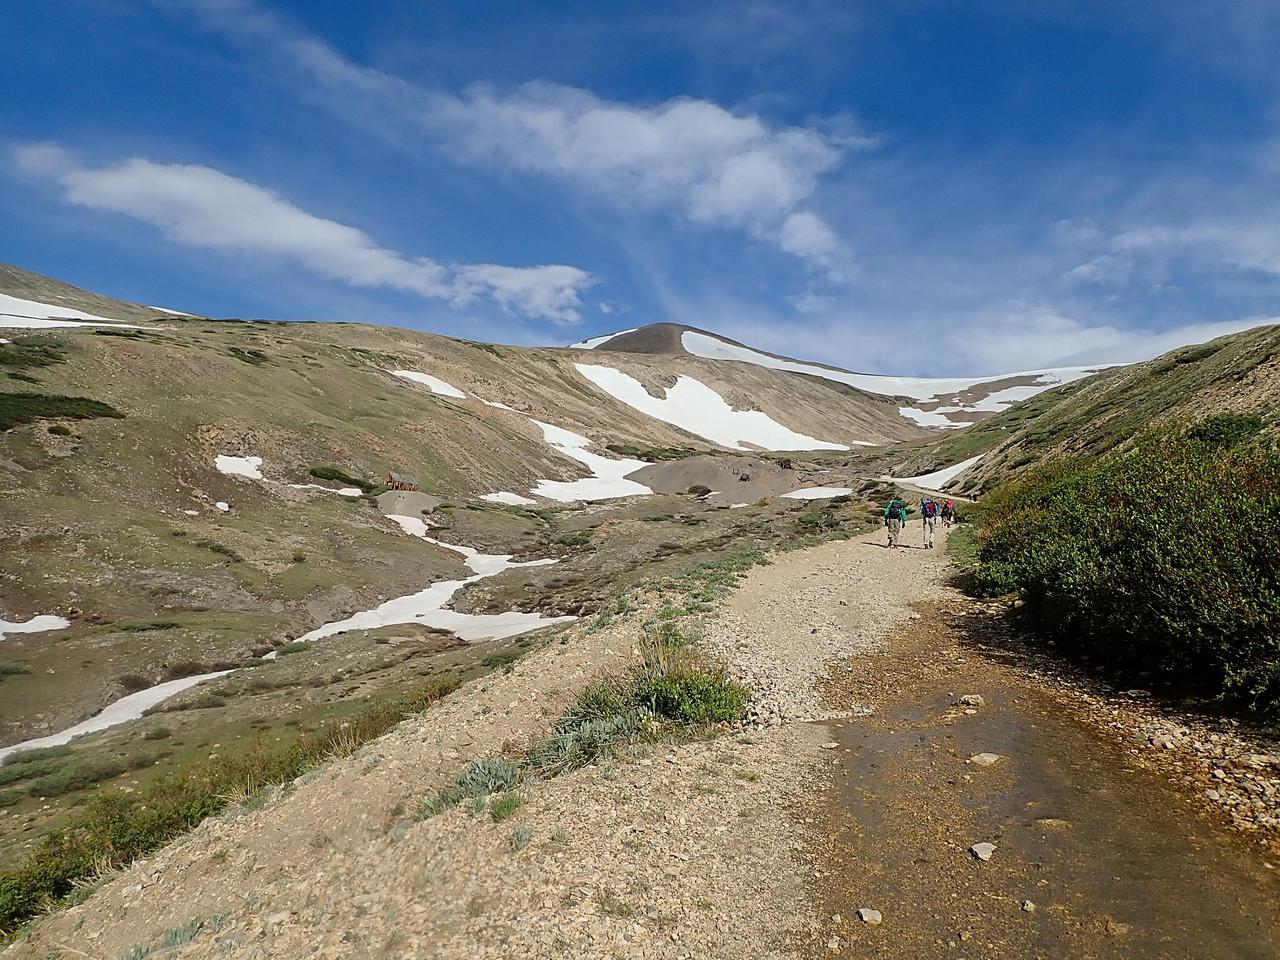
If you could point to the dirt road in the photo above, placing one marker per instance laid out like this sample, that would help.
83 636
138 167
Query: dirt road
852 791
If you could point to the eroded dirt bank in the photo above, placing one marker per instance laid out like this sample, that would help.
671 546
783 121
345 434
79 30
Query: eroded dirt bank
742 846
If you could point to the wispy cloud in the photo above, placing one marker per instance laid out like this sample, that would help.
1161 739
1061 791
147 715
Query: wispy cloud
203 207
708 164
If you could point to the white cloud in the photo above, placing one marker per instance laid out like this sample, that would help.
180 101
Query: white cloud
204 207
1246 243
693 156
1035 337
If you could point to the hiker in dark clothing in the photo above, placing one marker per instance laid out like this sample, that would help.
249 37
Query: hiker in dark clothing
948 513
895 516
929 520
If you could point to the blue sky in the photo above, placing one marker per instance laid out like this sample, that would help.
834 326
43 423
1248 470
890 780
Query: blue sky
917 187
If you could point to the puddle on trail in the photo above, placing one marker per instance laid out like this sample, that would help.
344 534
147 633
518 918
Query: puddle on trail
1116 862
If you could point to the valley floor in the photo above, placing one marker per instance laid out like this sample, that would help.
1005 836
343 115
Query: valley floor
854 790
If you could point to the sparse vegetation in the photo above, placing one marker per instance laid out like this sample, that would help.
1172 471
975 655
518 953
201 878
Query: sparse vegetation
117 827
505 806
13 668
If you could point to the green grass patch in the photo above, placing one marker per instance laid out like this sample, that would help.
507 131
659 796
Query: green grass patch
651 454
13 668
505 806
30 354
20 408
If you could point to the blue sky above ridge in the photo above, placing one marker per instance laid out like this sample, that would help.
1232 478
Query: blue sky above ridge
939 187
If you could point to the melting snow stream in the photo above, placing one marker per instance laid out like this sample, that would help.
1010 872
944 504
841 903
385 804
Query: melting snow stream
428 607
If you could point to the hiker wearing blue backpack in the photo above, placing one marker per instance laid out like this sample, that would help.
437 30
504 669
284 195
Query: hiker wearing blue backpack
929 518
895 516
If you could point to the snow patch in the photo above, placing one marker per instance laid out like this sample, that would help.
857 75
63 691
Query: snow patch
248 467
593 342
695 407
427 606
500 406
341 491
608 476
37 624
511 499
434 384
817 493
172 313
939 478
413 526
121 711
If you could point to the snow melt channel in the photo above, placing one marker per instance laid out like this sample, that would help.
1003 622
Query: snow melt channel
428 606
121 711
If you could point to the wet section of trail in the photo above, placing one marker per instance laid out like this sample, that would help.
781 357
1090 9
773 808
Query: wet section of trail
1094 856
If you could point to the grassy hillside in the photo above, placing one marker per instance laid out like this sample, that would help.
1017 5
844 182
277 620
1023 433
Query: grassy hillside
1108 411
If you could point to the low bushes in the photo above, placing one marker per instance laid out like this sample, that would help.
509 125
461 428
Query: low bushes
338 475
1160 562
20 408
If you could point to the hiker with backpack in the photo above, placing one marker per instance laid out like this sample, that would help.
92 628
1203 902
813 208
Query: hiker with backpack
948 513
895 516
929 519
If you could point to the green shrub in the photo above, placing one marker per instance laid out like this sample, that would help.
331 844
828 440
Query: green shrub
573 538
13 668
60 430
690 696
1227 429
698 490
339 475
20 408
481 777
1160 561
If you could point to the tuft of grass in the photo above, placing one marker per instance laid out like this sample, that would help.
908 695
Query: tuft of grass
13 668
698 490
505 806
293 646
158 733
219 548
60 430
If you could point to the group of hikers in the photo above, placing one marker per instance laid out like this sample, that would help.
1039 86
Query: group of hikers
895 518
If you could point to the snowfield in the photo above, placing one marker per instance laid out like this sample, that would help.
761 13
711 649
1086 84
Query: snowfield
434 384
33 315
928 389
939 478
594 343
37 624
695 407
427 607
248 467
340 491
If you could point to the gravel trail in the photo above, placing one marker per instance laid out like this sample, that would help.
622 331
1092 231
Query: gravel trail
703 850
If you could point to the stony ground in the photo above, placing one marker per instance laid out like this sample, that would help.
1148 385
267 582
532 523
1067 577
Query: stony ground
850 836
